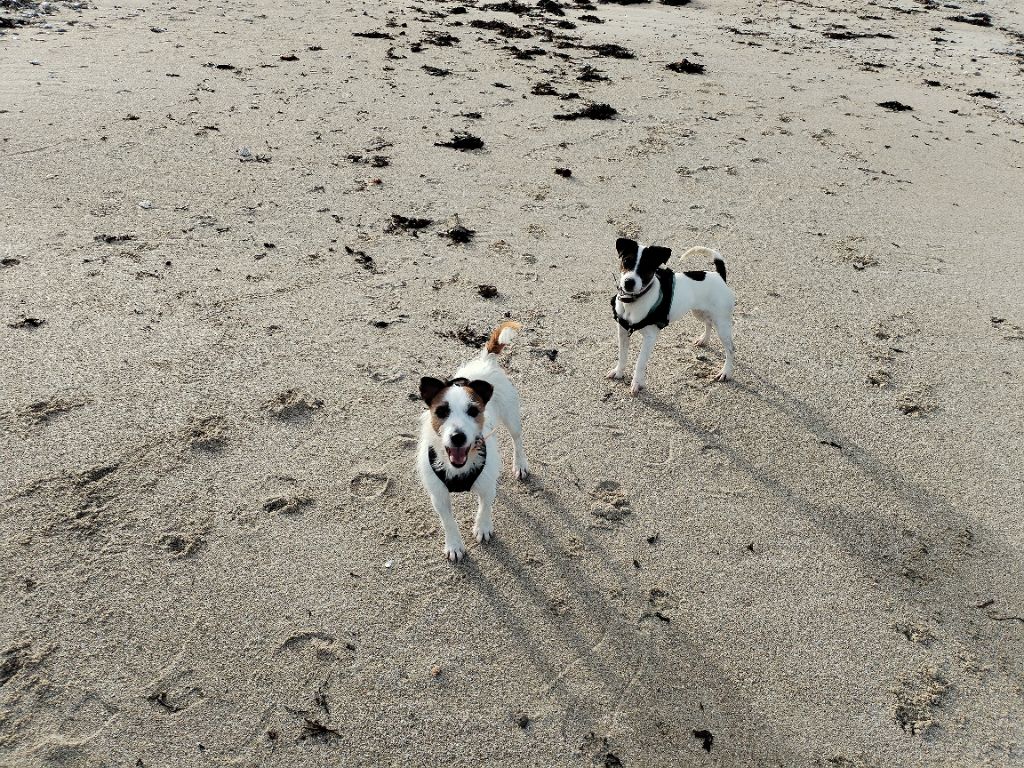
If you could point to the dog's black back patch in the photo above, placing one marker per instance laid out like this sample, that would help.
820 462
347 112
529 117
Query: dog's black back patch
696 274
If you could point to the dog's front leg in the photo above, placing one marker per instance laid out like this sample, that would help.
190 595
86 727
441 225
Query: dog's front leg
619 371
483 528
454 548
650 335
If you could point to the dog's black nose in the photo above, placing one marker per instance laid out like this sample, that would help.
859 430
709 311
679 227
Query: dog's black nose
458 439
628 283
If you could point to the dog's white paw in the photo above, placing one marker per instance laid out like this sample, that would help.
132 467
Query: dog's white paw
615 374
483 531
454 551
636 388
700 341
520 470
723 376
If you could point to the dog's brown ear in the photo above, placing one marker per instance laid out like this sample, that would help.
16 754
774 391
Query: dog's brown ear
429 388
482 389
658 253
626 247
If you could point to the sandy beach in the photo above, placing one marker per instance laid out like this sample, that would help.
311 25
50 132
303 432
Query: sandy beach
235 236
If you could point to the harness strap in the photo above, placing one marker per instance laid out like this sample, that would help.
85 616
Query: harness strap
658 314
458 483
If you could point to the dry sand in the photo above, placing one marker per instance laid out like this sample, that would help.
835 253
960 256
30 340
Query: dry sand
213 550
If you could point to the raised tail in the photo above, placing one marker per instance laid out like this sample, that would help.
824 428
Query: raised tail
501 336
715 256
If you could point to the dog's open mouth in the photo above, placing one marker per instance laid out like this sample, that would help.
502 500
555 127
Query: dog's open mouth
458 456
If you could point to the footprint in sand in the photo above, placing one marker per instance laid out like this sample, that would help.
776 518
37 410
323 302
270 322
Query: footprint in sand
367 485
293 406
613 505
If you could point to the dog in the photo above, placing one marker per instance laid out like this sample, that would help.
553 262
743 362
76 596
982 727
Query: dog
458 451
649 296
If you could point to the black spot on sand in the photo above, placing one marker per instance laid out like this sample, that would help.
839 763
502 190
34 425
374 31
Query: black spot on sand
503 29
462 141
526 54
26 322
845 34
487 291
686 67
113 238
412 224
550 6
610 50
466 335
435 71
374 35
459 234
364 261
591 112
441 39
706 738
895 106
977 19
563 172
591 75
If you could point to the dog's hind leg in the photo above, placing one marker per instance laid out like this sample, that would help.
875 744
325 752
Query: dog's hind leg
723 325
483 528
513 422
702 341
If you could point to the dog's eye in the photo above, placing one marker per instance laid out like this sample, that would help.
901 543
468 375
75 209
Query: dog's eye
442 411
473 411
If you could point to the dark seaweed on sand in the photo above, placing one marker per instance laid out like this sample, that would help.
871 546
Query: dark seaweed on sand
591 112
977 19
687 67
895 106
462 141
506 30
407 223
458 234
611 50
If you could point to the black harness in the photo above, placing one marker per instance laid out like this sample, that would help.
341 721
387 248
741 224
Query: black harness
659 312
458 483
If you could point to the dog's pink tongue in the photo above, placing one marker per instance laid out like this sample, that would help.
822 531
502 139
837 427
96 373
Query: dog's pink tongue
458 456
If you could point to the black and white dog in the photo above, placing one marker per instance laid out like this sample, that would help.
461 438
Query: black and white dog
650 296
458 451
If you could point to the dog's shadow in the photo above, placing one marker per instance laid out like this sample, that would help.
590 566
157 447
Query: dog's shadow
603 655
905 536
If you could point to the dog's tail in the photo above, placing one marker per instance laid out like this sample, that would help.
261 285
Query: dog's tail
700 250
501 336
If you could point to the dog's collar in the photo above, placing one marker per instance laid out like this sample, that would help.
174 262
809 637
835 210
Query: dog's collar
629 298
460 483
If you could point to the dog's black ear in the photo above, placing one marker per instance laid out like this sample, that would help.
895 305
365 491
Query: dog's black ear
429 388
482 388
658 253
626 247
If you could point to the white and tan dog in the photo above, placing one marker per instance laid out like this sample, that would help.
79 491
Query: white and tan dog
458 451
650 296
